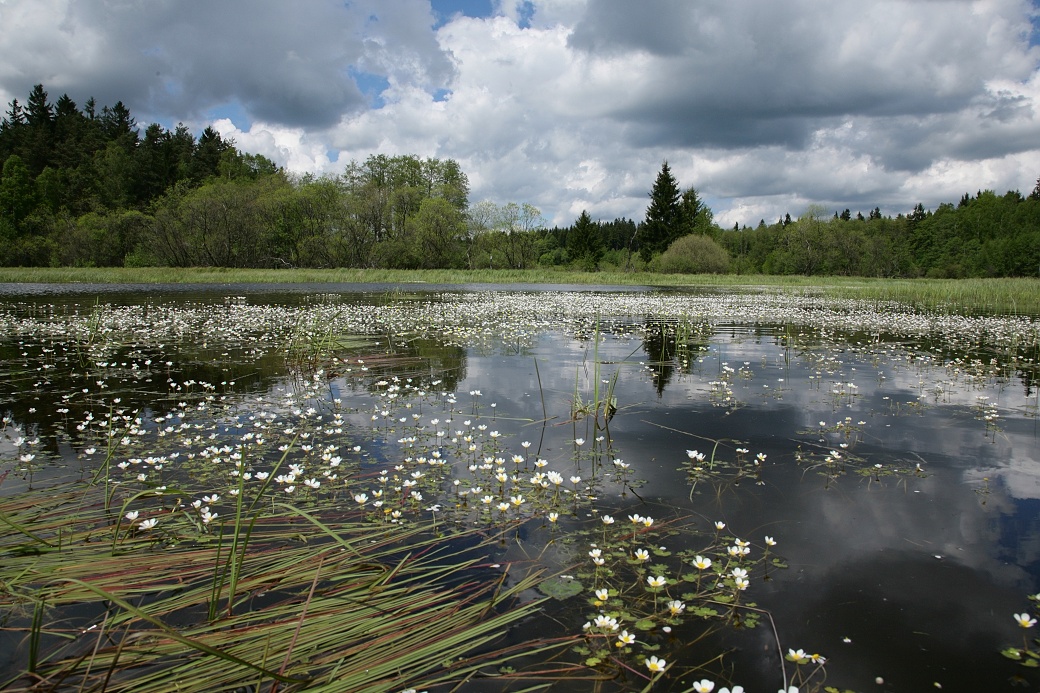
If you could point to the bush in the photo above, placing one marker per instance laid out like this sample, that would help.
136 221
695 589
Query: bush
693 254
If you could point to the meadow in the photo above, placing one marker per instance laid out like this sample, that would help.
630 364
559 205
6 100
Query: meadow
634 487
1007 295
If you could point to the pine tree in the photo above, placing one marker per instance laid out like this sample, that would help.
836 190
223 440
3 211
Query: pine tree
663 216
584 243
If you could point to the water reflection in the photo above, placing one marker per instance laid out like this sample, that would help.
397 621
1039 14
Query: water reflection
920 570
908 515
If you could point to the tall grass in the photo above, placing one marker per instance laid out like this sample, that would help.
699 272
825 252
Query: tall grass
998 296
334 604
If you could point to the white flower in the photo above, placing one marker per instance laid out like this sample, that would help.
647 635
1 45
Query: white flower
148 524
132 515
798 656
1025 620
656 665
625 638
704 686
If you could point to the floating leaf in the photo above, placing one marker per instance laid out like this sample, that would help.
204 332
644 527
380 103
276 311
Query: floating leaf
1012 653
644 624
560 588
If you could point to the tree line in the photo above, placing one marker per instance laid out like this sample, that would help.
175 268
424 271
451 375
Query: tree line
86 187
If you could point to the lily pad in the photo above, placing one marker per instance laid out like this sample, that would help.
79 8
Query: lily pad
560 588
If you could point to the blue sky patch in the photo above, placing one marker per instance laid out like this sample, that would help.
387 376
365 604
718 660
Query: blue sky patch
371 85
446 9
233 111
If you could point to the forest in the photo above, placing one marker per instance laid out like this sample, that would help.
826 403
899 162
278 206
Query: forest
84 186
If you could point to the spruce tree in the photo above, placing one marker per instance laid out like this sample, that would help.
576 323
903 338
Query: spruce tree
663 217
584 243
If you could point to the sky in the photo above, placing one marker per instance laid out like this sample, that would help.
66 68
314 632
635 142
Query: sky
764 107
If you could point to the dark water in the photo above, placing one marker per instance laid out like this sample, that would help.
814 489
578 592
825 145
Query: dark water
905 562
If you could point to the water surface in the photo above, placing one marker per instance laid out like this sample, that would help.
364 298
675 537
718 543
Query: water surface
901 468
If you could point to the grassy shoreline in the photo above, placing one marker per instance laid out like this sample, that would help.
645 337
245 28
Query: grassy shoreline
1019 296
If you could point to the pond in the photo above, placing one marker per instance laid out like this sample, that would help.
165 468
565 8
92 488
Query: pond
863 479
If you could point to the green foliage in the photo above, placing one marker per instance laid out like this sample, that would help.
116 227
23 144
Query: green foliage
584 244
694 254
560 588
983 236
86 187
663 217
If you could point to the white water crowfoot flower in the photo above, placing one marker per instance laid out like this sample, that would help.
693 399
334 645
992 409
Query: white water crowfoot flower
1025 620
735 689
625 638
132 515
656 581
642 555
656 665
149 523
799 656
704 686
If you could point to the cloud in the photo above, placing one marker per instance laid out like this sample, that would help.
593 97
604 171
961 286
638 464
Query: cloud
283 63
573 104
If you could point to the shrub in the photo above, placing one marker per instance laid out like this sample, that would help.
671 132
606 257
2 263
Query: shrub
693 254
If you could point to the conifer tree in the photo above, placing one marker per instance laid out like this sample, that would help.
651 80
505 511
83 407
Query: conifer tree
663 217
584 243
